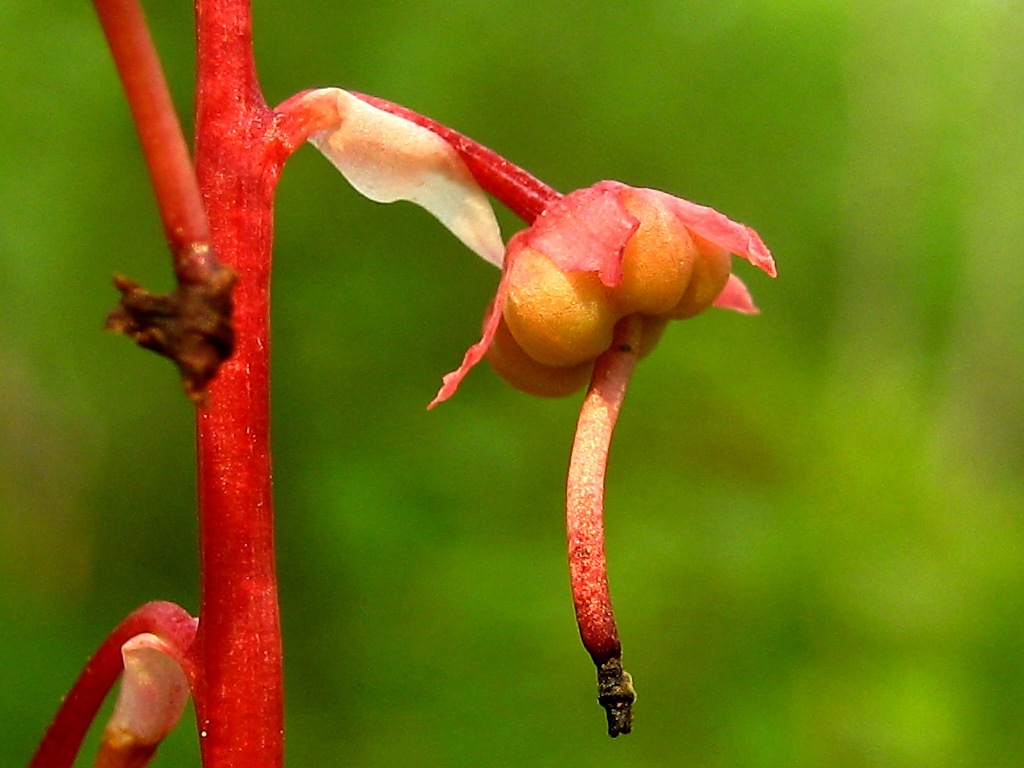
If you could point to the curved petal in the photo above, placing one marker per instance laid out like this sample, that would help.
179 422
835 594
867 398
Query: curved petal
735 296
585 231
450 381
388 158
721 230
154 690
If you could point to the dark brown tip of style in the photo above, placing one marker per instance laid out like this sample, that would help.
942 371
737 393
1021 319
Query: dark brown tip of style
615 693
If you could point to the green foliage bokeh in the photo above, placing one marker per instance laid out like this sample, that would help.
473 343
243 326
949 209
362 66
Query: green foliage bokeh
814 515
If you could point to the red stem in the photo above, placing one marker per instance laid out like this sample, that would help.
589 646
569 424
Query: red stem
227 199
163 142
518 190
524 194
239 706
64 737
588 568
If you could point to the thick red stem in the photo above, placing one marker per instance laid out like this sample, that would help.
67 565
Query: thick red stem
588 568
239 705
64 736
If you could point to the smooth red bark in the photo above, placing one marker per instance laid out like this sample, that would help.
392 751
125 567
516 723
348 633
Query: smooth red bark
239 703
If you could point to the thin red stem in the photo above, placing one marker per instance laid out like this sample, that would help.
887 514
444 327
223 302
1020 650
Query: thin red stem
588 568
525 195
163 142
517 189
64 737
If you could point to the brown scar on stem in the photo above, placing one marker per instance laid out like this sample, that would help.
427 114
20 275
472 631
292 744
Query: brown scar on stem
191 325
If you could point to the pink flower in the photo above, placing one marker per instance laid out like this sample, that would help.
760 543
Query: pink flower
594 257
587 260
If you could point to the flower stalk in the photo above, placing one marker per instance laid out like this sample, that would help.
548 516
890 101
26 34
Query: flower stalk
222 204
588 567
163 141
517 189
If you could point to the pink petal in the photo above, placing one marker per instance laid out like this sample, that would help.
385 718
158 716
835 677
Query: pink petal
450 381
585 231
388 158
720 230
735 296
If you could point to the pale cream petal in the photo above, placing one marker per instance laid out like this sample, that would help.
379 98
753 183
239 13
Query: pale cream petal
154 690
388 158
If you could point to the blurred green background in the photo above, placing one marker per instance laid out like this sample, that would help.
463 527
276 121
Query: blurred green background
815 516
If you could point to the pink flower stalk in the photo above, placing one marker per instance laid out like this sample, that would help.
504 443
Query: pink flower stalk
585 291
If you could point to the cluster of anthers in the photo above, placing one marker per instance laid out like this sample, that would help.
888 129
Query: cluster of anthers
585 291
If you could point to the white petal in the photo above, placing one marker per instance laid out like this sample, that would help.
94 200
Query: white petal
154 690
388 158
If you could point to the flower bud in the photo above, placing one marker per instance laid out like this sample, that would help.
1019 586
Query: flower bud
524 373
593 258
559 318
657 261
711 271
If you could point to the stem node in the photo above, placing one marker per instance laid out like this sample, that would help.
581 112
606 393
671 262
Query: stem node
191 325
